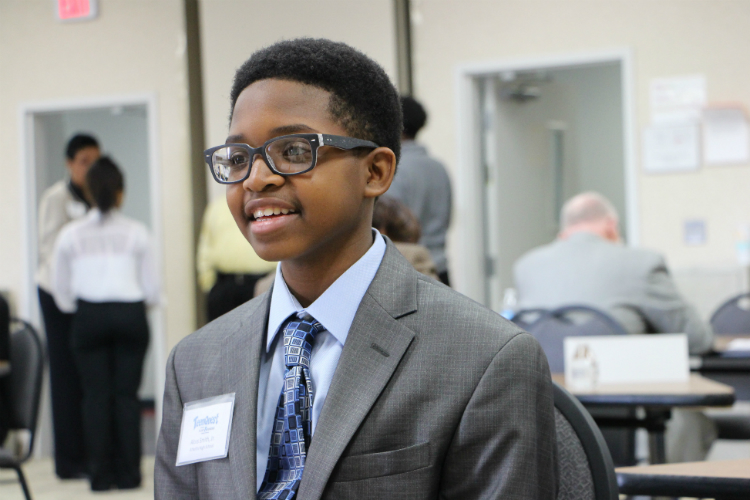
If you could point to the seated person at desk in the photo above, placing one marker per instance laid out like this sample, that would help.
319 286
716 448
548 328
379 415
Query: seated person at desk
397 386
587 264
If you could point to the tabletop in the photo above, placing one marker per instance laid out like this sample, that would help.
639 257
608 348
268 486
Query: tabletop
697 391
726 479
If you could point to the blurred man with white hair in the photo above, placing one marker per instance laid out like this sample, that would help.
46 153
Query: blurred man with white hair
588 265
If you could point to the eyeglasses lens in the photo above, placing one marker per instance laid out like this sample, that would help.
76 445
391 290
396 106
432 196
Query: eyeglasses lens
290 155
230 163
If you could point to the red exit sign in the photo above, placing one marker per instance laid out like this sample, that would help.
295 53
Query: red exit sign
76 10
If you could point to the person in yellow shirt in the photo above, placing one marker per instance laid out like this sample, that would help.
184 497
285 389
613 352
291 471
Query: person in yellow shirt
228 268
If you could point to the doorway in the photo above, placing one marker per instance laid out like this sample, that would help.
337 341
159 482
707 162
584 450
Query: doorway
534 133
126 131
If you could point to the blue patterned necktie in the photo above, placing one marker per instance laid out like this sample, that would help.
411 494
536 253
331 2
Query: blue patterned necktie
292 428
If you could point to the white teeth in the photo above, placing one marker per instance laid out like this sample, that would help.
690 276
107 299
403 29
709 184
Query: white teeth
265 212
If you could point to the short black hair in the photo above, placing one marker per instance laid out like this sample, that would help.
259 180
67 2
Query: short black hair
79 142
414 116
363 99
104 180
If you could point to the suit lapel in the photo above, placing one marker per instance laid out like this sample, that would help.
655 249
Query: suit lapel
374 347
241 356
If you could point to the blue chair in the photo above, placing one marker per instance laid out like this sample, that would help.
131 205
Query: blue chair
527 317
733 316
551 329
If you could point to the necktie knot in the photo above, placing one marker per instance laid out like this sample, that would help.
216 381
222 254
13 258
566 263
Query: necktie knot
299 335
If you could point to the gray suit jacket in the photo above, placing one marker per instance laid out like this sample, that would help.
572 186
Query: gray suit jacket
633 285
434 396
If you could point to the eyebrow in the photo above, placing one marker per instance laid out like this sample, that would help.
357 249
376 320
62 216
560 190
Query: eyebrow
276 132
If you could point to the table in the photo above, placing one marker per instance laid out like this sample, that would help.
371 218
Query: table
656 400
731 368
4 368
724 479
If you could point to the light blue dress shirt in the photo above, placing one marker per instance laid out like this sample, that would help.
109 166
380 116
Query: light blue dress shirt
335 310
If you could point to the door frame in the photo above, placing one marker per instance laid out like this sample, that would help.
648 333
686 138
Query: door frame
469 268
29 304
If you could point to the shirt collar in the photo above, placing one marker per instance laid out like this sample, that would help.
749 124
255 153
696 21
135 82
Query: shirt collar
336 307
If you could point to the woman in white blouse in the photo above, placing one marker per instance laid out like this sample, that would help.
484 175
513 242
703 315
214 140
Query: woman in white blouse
104 273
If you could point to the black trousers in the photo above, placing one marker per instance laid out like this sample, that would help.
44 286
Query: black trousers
230 291
109 342
65 388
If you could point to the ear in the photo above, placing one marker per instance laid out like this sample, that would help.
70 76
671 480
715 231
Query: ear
381 167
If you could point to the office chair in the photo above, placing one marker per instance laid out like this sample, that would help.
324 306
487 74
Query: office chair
585 468
24 385
550 331
733 316
552 327
527 317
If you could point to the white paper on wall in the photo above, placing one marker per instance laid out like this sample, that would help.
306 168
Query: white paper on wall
671 147
677 99
726 136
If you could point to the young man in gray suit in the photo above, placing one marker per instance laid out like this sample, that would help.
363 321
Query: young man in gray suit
588 265
395 386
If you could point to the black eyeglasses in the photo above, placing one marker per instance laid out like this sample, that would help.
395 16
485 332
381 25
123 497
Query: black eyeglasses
286 155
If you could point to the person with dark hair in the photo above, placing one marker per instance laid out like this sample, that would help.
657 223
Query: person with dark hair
393 219
423 185
63 202
104 273
354 376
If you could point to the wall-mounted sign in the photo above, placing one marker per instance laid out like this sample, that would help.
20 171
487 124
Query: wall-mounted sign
76 10
671 147
726 136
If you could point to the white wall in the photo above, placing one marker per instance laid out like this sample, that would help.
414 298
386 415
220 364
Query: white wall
667 38
131 48
366 25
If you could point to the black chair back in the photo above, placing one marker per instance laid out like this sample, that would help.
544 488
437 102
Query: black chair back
24 384
733 316
570 321
585 468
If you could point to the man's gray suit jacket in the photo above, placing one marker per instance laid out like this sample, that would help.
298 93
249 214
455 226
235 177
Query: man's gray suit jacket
434 396
633 285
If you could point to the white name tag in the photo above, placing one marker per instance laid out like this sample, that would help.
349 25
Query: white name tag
204 434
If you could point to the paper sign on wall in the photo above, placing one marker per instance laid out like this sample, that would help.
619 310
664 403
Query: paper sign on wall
625 359
726 136
678 99
671 147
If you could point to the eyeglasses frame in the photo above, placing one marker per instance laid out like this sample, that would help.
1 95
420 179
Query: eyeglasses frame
316 140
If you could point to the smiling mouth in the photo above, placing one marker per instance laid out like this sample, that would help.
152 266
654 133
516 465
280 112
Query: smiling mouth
269 213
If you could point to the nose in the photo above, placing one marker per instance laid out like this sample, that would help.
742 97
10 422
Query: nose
261 177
